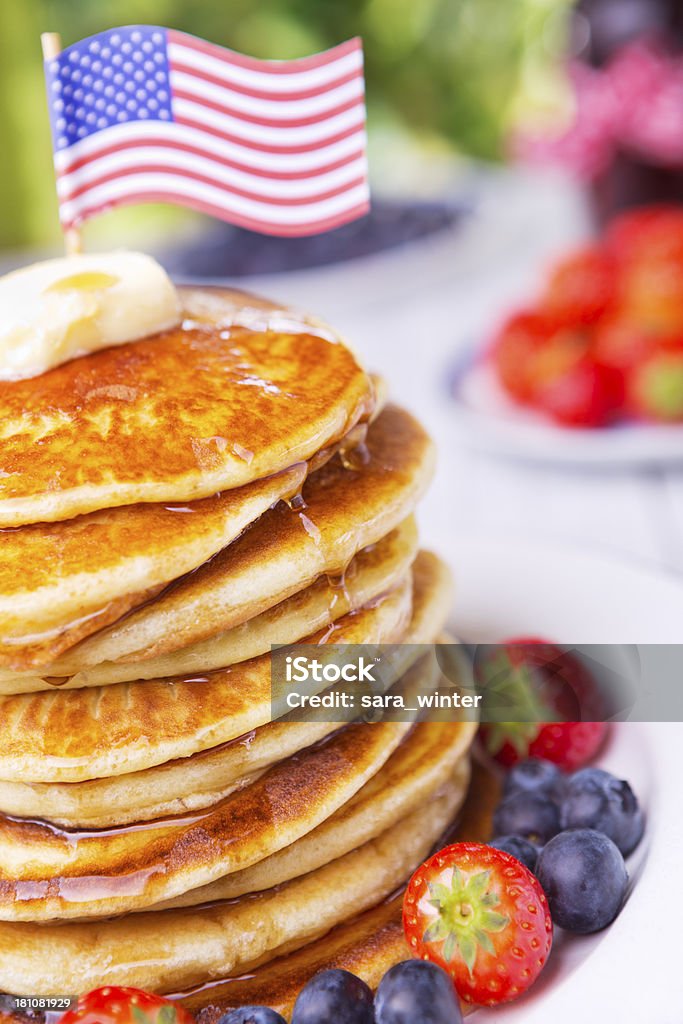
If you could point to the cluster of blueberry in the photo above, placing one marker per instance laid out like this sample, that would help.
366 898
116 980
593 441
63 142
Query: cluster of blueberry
414 990
572 832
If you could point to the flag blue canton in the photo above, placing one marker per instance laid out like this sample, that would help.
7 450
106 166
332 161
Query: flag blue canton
110 78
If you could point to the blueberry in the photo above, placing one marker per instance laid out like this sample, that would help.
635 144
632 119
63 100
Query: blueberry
530 815
417 990
335 996
535 776
584 877
596 799
523 849
252 1015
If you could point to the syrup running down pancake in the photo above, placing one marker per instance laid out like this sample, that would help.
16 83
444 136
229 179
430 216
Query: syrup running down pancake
189 783
346 509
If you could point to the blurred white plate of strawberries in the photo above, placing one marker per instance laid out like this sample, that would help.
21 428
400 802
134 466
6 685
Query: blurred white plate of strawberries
596 361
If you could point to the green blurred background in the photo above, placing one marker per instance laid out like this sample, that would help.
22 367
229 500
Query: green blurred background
443 76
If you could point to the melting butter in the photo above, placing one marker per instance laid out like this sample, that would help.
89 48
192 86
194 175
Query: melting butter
61 309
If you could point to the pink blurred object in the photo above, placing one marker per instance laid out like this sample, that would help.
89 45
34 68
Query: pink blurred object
635 103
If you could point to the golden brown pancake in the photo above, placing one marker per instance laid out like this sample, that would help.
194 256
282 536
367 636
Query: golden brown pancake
178 787
62 581
240 391
190 783
373 571
167 950
50 873
285 550
112 730
367 946
428 758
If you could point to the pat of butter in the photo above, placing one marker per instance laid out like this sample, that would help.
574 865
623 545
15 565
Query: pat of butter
58 310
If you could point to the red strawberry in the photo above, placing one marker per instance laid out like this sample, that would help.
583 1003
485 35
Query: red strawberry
483 917
581 287
620 344
647 245
647 233
581 393
655 386
515 347
115 1005
567 744
554 694
653 295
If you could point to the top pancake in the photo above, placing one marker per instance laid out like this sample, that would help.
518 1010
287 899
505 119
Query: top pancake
239 391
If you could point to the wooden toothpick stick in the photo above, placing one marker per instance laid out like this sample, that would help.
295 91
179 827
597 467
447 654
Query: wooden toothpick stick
52 47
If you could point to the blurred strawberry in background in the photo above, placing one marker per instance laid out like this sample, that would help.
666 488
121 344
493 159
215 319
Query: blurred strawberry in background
581 287
653 233
521 338
620 344
586 394
656 387
647 245
605 339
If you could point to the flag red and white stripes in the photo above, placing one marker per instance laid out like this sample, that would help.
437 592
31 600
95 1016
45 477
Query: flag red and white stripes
144 114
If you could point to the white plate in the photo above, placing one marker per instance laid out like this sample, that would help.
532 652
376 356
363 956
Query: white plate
510 587
629 973
490 421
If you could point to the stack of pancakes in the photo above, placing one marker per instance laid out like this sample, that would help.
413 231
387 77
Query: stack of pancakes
169 510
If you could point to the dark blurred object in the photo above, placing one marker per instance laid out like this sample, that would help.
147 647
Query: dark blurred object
226 251
601 29
630 181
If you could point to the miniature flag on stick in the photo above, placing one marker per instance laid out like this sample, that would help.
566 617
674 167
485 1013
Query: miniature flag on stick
147 114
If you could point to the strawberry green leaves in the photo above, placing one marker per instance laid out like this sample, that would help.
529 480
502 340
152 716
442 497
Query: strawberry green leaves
464 918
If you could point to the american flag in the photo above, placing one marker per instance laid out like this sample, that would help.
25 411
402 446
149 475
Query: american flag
148 114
